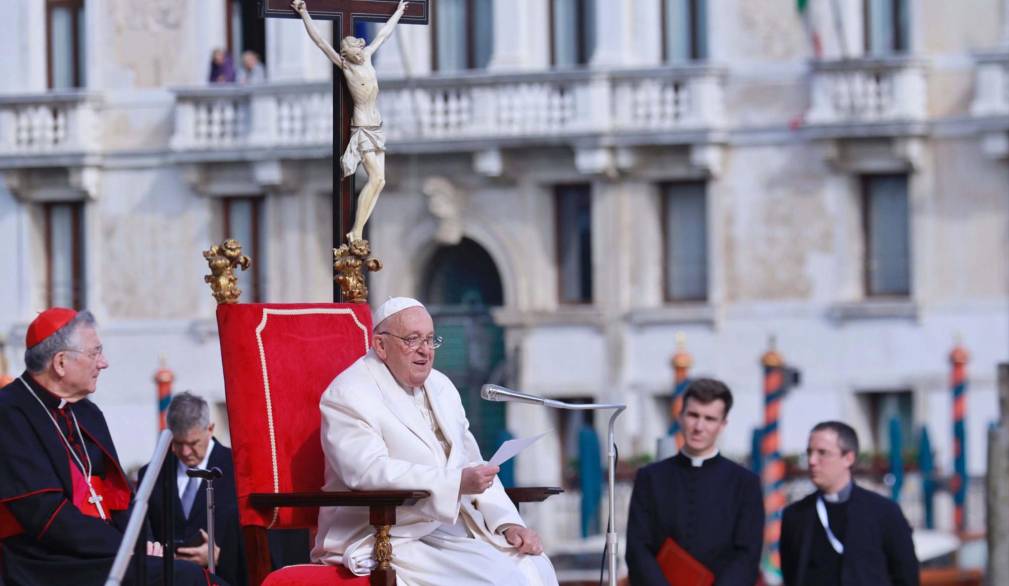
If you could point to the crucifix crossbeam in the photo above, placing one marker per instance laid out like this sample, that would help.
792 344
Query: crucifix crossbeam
346 13
417 12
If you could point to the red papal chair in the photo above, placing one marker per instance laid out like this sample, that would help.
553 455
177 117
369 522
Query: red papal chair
278 359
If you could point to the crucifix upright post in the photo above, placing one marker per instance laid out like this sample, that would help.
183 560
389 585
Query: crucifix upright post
345 14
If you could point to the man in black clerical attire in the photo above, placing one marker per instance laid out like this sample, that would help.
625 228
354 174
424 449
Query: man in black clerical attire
842 534
709 505
64 500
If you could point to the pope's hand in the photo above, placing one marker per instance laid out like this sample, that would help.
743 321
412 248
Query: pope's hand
298 6
524 539
477 479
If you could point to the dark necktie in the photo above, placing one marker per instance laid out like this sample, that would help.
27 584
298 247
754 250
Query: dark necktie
189 496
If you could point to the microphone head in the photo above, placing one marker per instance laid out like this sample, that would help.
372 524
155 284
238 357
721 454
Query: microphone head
490 393
498 393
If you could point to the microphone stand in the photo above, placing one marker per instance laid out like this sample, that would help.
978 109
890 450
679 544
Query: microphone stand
496 393
209 476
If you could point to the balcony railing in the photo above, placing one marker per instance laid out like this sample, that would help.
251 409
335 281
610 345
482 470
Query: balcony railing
991 92
48 124
869 90
437 111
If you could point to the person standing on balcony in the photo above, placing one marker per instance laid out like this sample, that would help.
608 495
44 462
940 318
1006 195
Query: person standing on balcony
222 68
367 138
708 505
843 534
252 68
392 422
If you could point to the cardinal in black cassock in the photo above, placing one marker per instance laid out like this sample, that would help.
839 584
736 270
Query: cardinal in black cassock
64 499
709 505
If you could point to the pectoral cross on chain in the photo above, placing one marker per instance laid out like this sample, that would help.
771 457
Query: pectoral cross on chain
345 13
96 500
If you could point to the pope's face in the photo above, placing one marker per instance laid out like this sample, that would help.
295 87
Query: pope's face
81 364
191 447
410 366
701 424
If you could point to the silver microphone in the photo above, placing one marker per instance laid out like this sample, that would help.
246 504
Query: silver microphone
496 393
499 393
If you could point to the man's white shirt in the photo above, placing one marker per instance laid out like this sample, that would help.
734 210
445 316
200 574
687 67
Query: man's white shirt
180 473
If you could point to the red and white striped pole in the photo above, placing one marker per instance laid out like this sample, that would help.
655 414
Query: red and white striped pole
681 362
5 377
163 378
774 466
958 381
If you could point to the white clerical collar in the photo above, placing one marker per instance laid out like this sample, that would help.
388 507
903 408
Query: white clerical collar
840 496
698 461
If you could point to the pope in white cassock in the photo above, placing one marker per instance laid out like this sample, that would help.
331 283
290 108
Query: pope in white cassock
391 422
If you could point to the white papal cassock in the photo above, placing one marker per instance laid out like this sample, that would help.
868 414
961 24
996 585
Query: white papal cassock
379 436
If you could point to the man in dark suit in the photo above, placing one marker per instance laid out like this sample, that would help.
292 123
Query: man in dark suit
193 446
842 534
709 505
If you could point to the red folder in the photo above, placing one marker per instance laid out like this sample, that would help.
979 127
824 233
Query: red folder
680 568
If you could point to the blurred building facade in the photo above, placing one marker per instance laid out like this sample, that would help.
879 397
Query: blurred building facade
613 173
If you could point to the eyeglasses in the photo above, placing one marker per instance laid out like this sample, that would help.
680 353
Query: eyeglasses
414 341
91 354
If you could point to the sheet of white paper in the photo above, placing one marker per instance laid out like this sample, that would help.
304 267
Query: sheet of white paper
512 447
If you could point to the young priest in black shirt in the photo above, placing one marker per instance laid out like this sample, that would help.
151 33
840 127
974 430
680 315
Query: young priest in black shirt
709 505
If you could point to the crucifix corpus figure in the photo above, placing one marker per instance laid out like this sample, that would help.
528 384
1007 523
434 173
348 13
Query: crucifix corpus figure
367 139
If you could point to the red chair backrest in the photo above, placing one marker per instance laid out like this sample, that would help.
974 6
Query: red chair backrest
278 359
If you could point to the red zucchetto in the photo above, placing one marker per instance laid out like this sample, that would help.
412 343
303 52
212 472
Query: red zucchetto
47 323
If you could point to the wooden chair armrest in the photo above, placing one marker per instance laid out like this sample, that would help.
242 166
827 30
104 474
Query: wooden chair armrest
381 512
532 494
348 498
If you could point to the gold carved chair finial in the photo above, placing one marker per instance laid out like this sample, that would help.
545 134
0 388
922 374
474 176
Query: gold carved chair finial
223 259
349 263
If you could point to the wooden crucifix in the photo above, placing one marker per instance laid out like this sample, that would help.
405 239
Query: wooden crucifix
358 123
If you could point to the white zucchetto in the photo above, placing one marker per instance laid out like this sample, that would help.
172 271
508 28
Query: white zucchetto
392 306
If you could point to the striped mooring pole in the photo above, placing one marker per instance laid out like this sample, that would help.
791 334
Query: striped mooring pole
5 377
681 362
163 378
958 381
773 465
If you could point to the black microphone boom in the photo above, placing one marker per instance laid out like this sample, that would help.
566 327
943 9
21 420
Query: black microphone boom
213 473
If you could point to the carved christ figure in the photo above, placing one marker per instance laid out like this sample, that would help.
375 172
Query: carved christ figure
367 139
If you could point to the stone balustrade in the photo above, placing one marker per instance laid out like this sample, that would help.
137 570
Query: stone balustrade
991 88
867 90
57 123
442 110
